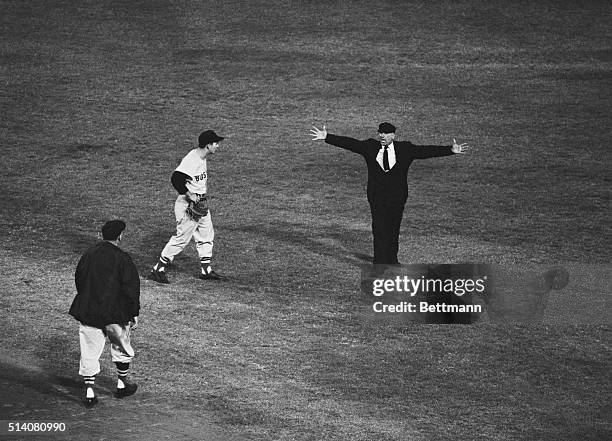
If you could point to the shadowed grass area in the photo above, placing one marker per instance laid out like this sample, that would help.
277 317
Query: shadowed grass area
103 99
276 366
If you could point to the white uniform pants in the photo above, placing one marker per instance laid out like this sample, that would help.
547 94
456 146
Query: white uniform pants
92 342
186 228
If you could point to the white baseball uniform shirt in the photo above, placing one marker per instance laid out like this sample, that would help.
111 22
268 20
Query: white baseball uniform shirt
195 167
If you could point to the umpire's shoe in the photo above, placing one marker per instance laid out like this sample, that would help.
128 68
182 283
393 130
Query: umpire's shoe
90 402
211 275
129 389
158 276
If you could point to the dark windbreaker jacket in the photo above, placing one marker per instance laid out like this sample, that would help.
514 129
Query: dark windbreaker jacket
108 287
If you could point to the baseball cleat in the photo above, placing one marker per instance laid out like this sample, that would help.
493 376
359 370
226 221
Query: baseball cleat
211 276
158 276
129 389
90 402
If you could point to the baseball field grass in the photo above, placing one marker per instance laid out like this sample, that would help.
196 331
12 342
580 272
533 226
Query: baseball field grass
102 99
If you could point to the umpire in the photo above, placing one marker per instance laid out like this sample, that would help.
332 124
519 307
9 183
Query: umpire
388 162
107 304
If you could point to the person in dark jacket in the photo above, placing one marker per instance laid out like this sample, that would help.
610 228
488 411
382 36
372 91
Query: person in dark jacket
387 161
107 304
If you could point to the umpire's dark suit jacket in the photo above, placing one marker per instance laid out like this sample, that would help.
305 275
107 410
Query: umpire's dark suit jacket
387 191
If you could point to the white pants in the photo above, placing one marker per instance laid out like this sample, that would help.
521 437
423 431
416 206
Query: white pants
201 231
92 342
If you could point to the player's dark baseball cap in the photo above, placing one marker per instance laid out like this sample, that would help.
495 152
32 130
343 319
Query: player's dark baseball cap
208 137
386 128
112 229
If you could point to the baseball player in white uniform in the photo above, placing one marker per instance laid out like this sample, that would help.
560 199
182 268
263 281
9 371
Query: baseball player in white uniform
189 179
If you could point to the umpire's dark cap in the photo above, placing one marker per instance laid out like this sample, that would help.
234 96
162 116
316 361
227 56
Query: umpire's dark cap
386 128
208 137
112 229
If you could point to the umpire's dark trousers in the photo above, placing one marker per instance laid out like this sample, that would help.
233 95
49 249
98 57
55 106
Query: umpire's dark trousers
386 221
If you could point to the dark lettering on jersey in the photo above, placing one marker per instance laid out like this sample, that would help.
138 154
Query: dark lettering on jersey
200 177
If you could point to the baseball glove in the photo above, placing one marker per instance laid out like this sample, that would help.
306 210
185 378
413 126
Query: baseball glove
197 210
